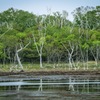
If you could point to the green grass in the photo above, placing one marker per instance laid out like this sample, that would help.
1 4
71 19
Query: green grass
49 67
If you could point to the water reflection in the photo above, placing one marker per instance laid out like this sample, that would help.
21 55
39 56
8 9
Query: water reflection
71 86
40 87
50 88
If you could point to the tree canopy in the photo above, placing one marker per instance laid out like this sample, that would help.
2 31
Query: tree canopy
77 40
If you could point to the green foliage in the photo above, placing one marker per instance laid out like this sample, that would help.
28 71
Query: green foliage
80 35
85 46
42 40
1 50
71 37
96 42
21 35
87 17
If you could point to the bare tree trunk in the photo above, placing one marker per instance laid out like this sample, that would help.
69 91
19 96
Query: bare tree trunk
83 61
4 59
70 53
87 58
40 46
41 66
17 56
95 56
70 63
18 59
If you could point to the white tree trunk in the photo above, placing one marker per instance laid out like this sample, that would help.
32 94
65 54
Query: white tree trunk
17 56
95 57
40 46
41 66
18 59
70 63
87 58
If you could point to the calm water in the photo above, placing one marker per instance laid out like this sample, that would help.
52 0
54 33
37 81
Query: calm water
58 87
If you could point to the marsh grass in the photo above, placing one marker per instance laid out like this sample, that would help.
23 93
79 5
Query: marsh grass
49 67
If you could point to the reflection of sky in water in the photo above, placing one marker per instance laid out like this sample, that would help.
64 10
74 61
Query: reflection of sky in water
58 87
27 83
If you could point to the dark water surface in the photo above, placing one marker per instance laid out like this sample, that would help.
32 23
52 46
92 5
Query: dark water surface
51 87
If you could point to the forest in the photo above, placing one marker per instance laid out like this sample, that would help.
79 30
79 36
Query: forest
50 38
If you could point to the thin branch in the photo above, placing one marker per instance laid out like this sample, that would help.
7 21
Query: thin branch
36 44
21 48
4 33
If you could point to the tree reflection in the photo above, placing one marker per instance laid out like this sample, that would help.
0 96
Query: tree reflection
71 85
40 87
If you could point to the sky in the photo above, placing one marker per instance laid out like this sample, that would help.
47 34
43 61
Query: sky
42 6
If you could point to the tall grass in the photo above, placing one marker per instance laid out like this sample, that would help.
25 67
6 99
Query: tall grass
48 67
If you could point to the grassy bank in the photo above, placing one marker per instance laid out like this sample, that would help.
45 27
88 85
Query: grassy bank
50 67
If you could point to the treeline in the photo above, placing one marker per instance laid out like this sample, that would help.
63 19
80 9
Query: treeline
26 37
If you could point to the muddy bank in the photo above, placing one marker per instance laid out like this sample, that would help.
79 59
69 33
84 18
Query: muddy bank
51 73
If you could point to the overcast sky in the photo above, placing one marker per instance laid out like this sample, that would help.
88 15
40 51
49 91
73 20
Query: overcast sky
41 6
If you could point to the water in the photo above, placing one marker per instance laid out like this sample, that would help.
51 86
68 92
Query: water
52 87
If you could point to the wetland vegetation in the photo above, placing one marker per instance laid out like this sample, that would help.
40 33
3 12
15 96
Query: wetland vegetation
51 39
48 57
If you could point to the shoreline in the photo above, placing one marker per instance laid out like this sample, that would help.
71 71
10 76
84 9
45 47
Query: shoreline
41 72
